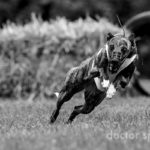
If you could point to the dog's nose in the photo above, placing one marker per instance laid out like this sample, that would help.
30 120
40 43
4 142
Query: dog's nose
116 55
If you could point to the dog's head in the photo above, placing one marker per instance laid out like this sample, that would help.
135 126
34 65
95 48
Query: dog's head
118 49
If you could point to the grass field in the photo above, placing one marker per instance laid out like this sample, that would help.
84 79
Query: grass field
119 123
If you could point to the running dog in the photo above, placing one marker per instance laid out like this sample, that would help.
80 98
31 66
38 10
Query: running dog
115 63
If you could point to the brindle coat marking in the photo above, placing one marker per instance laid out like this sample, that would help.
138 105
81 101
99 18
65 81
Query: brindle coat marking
82 77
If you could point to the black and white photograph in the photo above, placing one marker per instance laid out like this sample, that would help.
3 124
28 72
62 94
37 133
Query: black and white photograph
74 74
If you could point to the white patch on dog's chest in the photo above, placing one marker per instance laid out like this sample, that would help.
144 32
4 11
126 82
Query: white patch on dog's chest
110 89
107 85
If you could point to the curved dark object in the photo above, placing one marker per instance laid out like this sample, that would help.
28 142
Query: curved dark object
140 25
138 21
139 88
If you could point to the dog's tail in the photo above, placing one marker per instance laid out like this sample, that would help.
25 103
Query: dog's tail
56 94
51 94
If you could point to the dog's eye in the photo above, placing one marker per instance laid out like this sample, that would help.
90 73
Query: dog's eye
124 50
111 47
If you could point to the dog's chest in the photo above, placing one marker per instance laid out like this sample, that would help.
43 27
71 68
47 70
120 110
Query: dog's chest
106 78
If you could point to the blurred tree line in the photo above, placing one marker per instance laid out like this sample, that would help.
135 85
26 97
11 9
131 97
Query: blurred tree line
20 10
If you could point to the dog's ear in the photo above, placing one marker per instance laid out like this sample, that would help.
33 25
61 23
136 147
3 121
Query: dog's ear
132 39
133 44
109 36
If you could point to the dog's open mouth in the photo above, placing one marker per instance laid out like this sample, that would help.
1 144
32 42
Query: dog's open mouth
114 66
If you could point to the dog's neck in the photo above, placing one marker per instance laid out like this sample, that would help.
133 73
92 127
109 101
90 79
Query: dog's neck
124 65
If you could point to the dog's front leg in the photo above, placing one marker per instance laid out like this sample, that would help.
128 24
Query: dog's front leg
121 83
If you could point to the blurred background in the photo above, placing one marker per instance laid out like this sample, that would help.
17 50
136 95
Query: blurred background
20 10
40 40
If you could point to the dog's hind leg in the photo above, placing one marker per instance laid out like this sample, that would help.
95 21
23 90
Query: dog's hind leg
81 109
63 97
74 83
77 110
93 97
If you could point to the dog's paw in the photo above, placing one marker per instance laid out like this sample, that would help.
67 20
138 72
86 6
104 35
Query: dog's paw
68 122
52 120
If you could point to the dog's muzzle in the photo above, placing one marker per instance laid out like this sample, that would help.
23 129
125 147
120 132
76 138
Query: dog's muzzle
114 66
116 56
115 61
